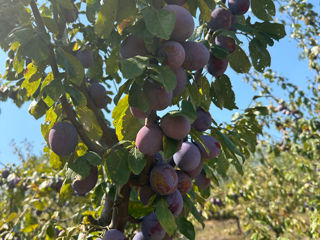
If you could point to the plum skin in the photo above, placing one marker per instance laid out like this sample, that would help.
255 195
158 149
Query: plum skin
176 127
188 157
220 19
184 182
113 234
139 236
203 121
195 172
213 146
132 46
196 55
158 97
175 202
238 7
85 185
202 181
63 138
173 54
149 139
216 67
163 179
182 81
85 57
138 113
98 94
145 193
226 42
151 228
5 173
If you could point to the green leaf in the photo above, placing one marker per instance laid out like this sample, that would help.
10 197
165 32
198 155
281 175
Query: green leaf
51 25
170 147
66 192
263 9
38 108
93 158
54 89
117 164
219 52
188 110
139 210
66 4
259 55
222 165
50 232
205 12
194 93
186 228
89 122
18 62
92 7
106 18
136 161
159 23
165 76
81 166
274 30
32 79
127 9
222 93
188 203
123 89
78 98
239 61
165 217
95 71
133 67
137 97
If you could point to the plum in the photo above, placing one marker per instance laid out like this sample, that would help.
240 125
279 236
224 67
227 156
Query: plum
149 139
163 179
14 182
203 121
139 236
173 54
182 81
158 97
98 94
220 19
167 237
63 138
234 20
5 173
85 185
238 7
56 184
138 113
217 66
226 42
202 181
184 182
145 193
176 127
188 157
113 234
177 2
151 228
132 46
184 24
196 55
195 172
85 57
175 202
213 146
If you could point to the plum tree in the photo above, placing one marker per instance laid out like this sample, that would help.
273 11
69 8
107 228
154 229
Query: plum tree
132 46
188 157
5 173
213 146
184 182
113 234
226 42
195 172
220 19
202 181
182 81
145 193
173 54
176 127
149 139
85 57
85 185
203 120
63 138
184 24
98 94
151 228
217 66
196 55
177 2
138 113
158 97
163 179
238 7
175 203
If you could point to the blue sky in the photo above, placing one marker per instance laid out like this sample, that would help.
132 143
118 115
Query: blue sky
18 125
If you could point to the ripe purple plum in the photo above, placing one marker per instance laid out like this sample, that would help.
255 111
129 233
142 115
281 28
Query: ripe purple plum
238 7
177 2
175 202
167 237
203 121
83 186
202 181
220 19
213 146
196 55
145 193
173 54
188 157
114 234
184 25
217 66
14 182
158 97
195 172
184 182
182 80
176 127
234 20
132 46
63 138
138 113
5 173
226 42
151 228
139 236
164 179
85 57
149 139
98 94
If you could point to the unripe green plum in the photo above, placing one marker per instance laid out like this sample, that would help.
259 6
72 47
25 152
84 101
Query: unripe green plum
149 139
217 66
238 7
163 179
114 234
175 202
213 146
98 94
220 19
196 55
132 46
202 181
158 97
173 54
86 184
151 228
203 121
184 182
138 113
63 138
182 81
226 42
188 157
85 57
184 24
176 127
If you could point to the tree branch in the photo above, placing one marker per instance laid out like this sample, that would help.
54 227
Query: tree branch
106 213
